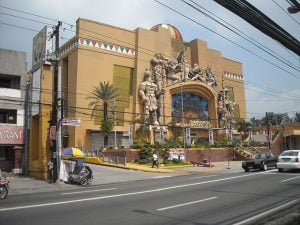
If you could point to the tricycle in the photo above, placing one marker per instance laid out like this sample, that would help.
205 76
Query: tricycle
82 175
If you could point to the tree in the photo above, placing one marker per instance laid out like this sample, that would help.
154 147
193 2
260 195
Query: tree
243 126
297 117
143 132
99 98
255 122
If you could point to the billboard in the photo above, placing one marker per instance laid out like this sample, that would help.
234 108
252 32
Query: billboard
40 46
36 86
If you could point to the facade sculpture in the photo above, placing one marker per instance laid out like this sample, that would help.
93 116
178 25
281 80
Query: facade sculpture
149 92
225 110
169 71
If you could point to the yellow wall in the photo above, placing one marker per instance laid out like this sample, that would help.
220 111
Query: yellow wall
39 142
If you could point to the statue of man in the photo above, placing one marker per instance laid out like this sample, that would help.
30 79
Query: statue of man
148 92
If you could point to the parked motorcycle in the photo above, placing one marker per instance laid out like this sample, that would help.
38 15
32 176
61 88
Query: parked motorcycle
3 188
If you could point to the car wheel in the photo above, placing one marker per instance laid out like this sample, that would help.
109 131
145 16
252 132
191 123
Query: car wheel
246 169
265 167
280 170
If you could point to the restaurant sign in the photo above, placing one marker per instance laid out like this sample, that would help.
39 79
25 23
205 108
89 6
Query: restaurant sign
11 135
199 124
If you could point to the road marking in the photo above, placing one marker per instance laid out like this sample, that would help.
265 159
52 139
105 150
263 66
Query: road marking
79 192
187 203
162 176
126 194
293 178
194 178
269 212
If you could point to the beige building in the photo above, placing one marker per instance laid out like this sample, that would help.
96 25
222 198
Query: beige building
101 52
163 82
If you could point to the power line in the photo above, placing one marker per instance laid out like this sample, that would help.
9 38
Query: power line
151 50
239 33
176 11
285 12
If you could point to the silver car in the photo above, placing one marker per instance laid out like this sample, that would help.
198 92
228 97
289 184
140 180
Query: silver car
289 159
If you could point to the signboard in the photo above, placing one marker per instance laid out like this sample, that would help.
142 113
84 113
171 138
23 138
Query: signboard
199 124
11 135
70 122
188 136
52 133
40 46
36 91
130 141
211 136
161 135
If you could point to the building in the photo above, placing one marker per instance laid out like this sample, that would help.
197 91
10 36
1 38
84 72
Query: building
187 71
12 110
173 87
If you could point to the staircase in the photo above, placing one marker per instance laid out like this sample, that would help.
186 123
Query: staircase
245 152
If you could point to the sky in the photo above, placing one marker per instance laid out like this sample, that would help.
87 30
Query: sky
270 84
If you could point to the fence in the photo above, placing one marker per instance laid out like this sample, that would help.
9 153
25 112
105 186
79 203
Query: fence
107 157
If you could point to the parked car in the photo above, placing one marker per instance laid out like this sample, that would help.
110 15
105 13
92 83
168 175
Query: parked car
261 160
289 159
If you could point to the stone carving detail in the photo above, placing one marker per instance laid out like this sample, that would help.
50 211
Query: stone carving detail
165 71
204 75
225 110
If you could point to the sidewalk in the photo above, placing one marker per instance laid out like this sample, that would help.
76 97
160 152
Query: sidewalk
130 172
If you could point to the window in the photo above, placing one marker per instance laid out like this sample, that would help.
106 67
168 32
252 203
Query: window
8 116
123 82
9 81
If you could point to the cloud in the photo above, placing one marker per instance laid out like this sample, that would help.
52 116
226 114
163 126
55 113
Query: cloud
258 103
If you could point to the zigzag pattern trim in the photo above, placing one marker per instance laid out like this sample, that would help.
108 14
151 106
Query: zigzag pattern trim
106 46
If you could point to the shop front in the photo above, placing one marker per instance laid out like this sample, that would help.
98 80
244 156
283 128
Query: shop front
11 147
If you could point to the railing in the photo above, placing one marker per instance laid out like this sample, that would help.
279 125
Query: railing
108 158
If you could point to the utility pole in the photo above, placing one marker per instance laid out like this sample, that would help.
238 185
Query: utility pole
27 131
56 106
115 123
268 131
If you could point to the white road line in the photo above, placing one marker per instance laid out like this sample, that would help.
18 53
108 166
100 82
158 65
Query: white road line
269 212
162 176
187 203
194 178
78 192
126 194
293 178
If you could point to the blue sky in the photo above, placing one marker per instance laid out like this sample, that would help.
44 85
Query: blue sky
267 87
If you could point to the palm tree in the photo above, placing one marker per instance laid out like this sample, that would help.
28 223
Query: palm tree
100 96
243 126
143 132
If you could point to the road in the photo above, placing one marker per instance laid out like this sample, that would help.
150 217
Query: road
197 199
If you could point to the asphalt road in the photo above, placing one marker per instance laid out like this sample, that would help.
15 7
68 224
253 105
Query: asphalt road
220 198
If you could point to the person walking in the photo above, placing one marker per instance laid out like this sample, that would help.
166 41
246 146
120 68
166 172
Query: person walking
154 160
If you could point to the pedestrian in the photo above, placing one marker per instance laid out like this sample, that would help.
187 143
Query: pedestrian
50 171
154 160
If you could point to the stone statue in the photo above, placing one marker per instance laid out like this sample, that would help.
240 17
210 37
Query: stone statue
210 77
197 74
174 71
148 92
225 109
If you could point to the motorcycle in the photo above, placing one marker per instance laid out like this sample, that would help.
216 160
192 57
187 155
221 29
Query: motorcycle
3 188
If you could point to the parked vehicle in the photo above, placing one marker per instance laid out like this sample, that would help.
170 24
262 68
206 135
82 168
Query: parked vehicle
3 188
289 159
261 160
82 175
